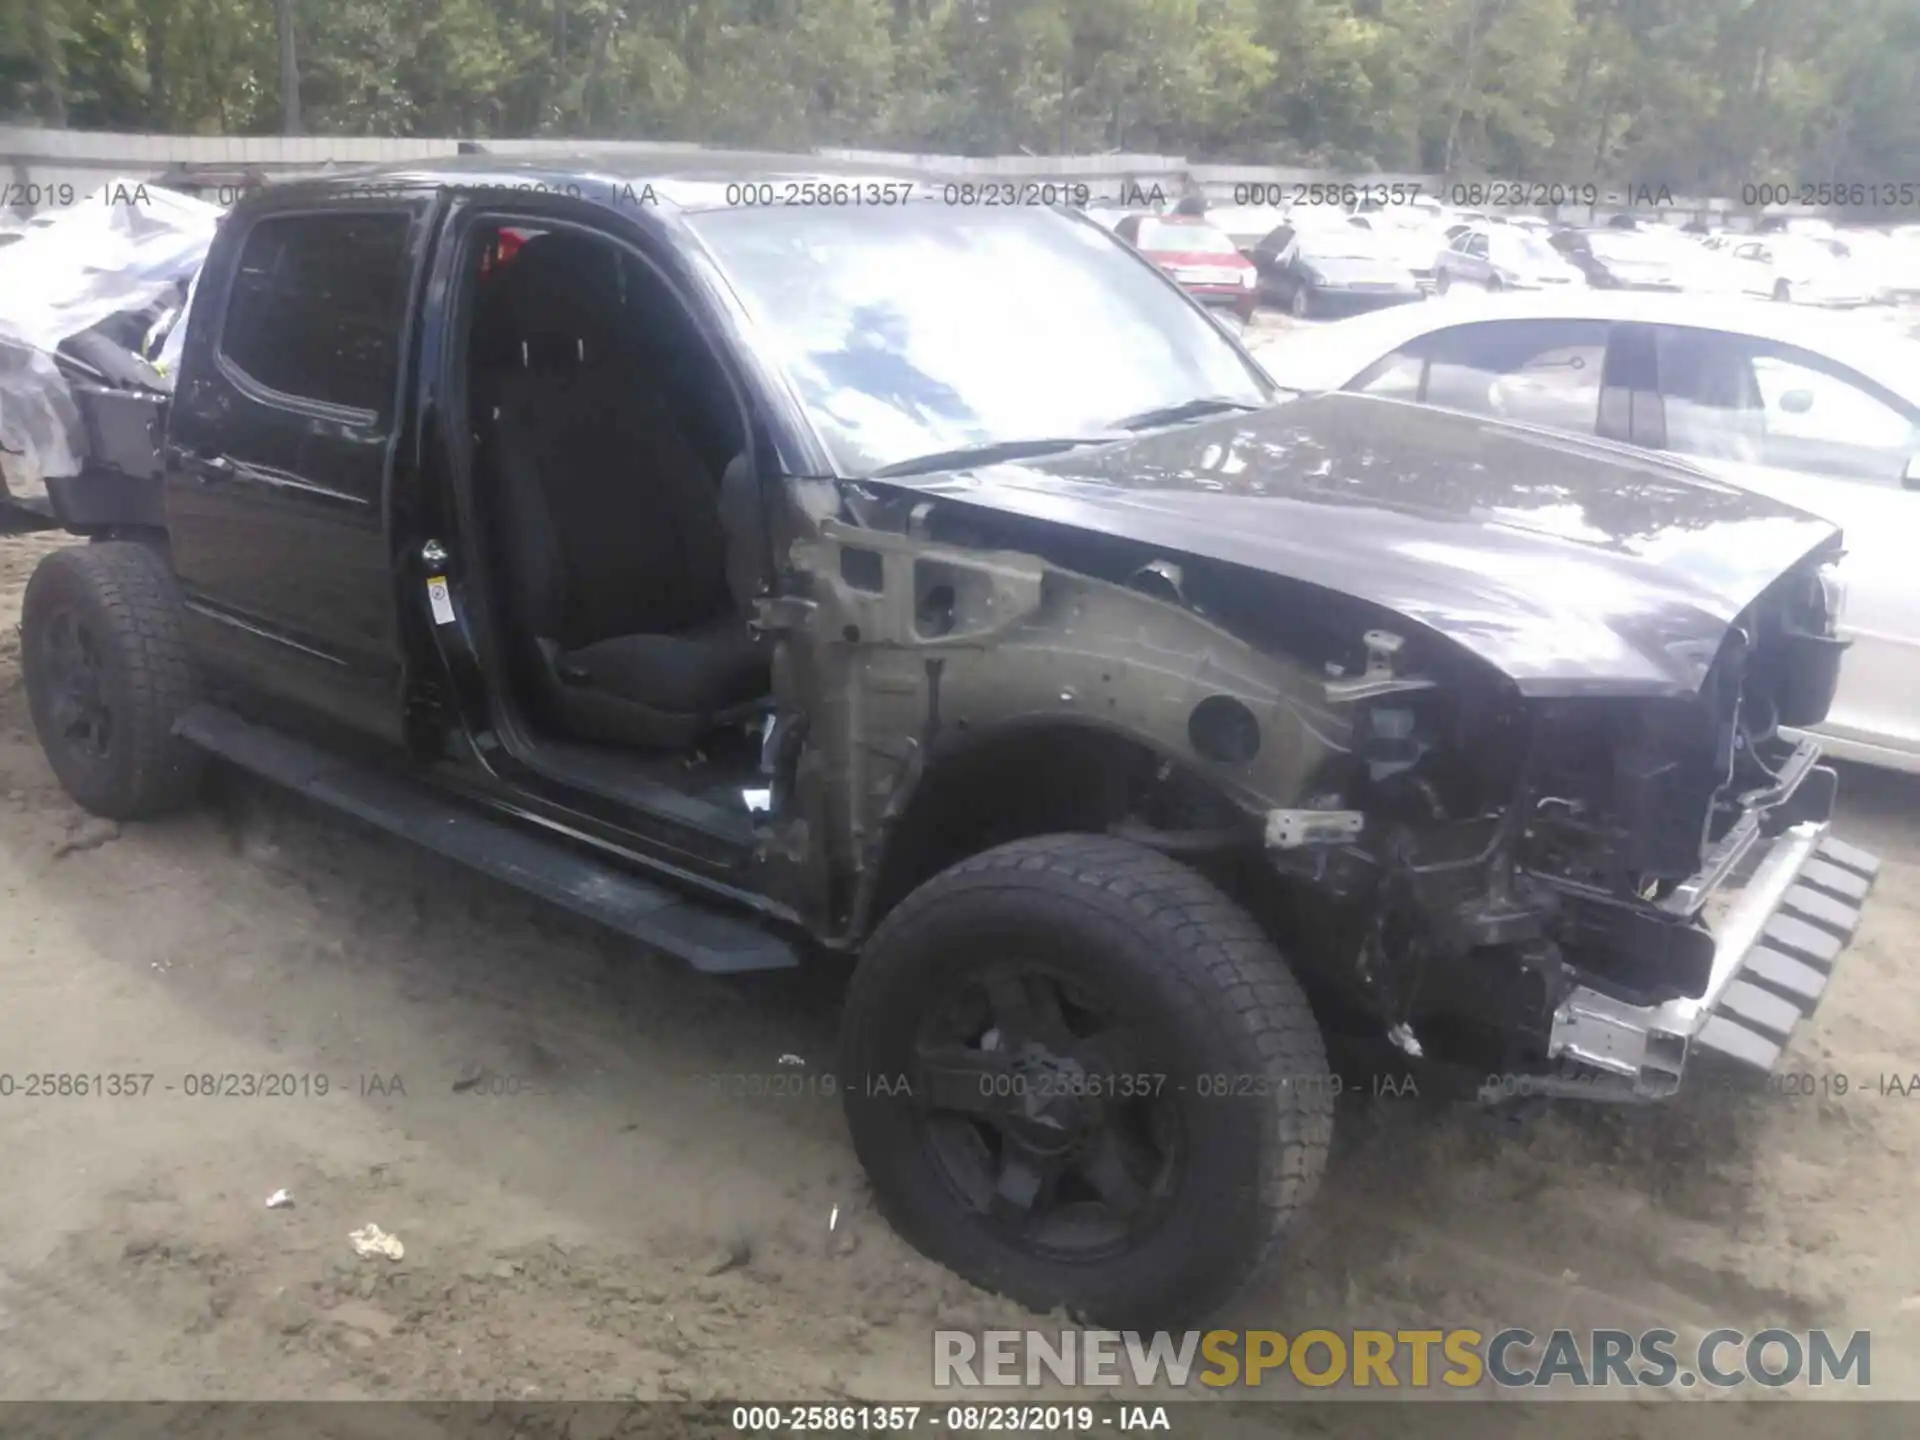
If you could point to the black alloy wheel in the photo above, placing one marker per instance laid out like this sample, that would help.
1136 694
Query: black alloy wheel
1039 1114
1081 1075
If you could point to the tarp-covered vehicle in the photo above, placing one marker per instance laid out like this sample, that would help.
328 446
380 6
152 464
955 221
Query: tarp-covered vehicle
92 301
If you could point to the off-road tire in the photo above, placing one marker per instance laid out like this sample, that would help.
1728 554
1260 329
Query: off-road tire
1236 1044
122 595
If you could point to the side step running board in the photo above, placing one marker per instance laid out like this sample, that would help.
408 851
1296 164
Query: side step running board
706 938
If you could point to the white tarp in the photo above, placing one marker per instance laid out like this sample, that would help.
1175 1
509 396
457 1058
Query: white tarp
127 245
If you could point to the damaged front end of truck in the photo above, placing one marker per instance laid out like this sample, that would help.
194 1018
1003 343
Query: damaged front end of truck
1572 846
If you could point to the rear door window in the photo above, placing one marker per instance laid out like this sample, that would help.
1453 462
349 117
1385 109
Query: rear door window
1541 372
316 310
1734 397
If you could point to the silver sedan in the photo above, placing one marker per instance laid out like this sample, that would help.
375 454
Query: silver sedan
1817 409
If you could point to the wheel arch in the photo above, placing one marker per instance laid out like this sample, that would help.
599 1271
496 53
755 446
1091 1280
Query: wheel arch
1048 774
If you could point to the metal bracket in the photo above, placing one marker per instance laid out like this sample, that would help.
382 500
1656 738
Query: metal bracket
1380 676
1291 829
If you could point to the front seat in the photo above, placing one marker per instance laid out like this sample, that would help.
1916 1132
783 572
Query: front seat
627 622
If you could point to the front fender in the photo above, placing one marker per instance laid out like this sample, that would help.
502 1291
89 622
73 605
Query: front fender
904 642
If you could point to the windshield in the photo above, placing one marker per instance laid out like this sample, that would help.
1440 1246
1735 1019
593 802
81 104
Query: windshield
1194 239
1344 242
911 330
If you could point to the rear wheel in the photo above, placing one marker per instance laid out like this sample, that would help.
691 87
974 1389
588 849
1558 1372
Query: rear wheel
1080 1075
1442 281
1782 291
1494 285
107 676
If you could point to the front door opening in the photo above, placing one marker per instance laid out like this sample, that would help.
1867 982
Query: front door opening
619 521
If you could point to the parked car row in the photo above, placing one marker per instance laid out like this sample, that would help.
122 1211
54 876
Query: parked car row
1323 259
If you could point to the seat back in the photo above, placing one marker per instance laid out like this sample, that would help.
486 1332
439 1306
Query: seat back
610 520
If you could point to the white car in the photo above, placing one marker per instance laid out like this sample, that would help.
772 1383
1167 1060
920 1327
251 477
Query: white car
1415 233
1502 257
1821 411
1797 268
1647 259
1888 264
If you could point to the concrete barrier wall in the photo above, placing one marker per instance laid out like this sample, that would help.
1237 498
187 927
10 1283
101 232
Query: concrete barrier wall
41 169
35 162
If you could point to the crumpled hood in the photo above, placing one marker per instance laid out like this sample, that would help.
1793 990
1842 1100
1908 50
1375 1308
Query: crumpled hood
1575 567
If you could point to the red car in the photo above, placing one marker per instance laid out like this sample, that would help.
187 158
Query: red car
1203 260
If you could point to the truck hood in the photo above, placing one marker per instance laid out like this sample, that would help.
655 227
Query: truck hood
1574 566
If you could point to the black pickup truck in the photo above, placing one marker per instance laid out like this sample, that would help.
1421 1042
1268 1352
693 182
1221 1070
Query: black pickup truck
787 566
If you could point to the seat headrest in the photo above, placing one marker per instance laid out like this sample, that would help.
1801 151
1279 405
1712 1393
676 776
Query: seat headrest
562 296
569 269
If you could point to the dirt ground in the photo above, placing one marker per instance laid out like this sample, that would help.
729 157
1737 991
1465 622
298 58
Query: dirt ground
586 1213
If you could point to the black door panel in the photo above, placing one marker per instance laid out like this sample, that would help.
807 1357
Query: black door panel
282 438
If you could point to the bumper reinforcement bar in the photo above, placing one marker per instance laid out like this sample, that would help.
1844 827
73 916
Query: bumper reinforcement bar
1777 946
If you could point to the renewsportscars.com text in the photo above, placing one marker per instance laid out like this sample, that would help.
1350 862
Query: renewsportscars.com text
1411 1359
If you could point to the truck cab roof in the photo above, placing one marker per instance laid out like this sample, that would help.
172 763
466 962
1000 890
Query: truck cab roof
678 178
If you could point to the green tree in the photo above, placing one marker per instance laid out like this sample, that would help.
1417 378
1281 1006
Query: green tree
1696 94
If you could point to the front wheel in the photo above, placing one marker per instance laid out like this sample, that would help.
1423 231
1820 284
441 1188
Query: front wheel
105 663
1783 292
1080 1075
1301 305
1441 282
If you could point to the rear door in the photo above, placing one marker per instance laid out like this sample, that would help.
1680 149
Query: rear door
1454 262
281 448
